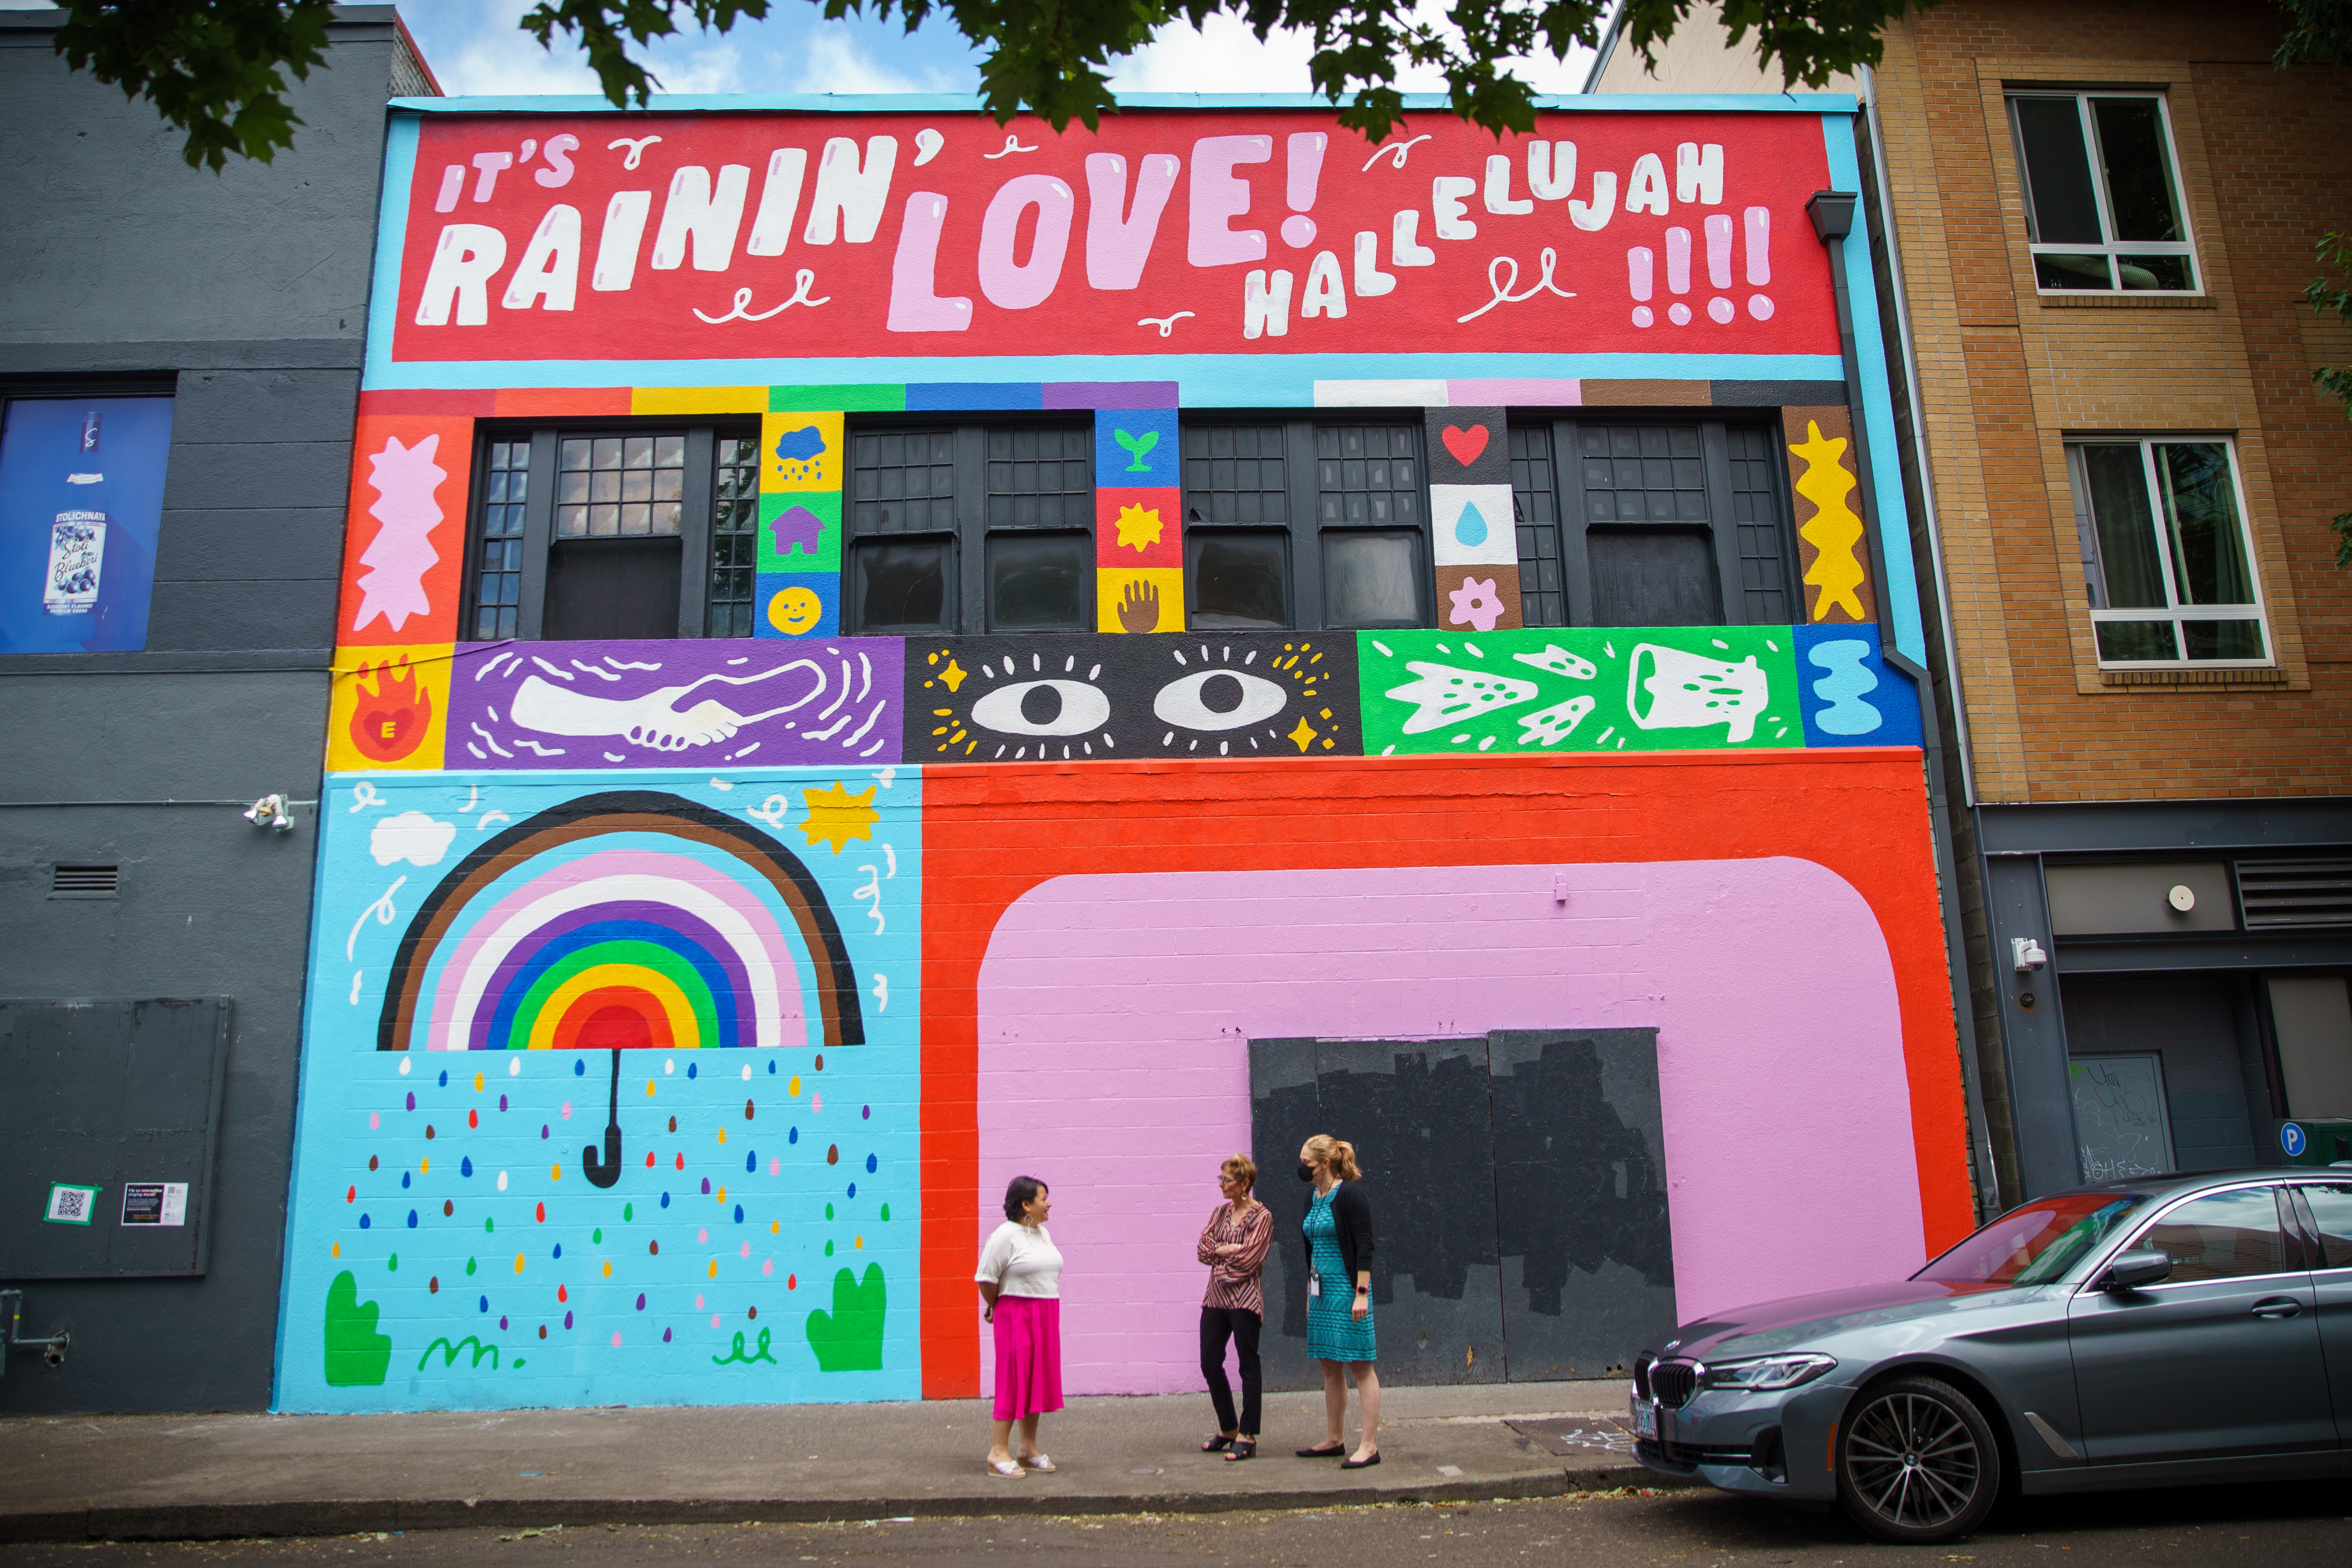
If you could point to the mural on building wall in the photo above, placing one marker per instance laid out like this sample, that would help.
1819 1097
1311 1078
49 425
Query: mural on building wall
675 1004
611 1093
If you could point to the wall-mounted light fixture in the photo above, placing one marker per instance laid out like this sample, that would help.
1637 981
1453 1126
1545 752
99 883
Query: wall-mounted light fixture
270 811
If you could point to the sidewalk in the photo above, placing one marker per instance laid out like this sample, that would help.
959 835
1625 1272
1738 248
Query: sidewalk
167 1478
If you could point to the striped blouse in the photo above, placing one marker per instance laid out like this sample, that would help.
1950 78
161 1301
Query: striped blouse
1233 1279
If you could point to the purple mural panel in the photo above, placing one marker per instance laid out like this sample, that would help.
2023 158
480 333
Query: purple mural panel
724 703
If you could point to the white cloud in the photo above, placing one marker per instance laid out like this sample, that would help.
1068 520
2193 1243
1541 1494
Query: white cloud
412 837
834 62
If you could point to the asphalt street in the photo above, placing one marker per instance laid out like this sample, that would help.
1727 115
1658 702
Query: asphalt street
2276 1527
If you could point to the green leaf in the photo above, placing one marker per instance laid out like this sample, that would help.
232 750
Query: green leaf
212 69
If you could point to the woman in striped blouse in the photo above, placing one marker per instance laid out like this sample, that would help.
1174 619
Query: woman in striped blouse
1233 1245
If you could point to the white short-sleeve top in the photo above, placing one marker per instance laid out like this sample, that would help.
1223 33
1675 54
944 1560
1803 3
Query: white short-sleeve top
1021 1260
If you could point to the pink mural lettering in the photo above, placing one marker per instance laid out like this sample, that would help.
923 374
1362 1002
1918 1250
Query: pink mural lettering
914 307
1116 247
1014 285
1220 195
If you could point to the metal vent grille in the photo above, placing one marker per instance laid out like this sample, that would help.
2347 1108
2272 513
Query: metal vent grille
84 881
2295 892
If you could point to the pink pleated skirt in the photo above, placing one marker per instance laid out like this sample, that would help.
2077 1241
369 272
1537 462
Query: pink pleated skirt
1028 1356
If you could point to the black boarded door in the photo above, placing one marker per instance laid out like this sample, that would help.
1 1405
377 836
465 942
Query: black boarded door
1518 1192
1416 1111
1580 1197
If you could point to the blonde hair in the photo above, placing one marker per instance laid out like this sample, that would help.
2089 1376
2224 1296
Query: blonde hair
1334 1154
1239 1168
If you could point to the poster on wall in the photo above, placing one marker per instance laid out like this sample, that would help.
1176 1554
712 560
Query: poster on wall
81 503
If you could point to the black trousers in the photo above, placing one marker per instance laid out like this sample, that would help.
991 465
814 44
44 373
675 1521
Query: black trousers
1217 1325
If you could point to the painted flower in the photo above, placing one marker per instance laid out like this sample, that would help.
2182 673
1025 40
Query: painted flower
1475 605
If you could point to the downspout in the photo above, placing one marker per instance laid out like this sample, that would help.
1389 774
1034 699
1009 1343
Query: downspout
1832 216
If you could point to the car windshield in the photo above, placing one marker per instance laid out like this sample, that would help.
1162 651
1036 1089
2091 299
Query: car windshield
2037 1243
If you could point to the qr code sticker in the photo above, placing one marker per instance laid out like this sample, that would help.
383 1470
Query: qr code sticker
72 1205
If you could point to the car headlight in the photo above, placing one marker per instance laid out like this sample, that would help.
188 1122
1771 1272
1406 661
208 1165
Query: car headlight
1767 1373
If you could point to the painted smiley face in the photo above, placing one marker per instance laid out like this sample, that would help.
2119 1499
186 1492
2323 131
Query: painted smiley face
795 612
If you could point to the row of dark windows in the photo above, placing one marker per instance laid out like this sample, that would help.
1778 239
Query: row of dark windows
594 533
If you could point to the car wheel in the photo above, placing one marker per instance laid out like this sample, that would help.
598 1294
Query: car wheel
1916 1462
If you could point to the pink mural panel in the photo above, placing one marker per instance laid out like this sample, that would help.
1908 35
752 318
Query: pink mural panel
1116 1011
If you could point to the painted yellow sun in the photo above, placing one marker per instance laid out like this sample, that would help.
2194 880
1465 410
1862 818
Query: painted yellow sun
835 816
1138 526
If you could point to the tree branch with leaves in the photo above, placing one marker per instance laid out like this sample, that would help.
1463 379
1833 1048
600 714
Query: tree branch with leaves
215 69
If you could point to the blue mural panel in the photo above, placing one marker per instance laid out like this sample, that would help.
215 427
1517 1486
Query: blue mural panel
1850 695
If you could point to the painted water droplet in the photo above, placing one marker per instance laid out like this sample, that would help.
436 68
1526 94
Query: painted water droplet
404 1178
872 1165
628 1211
832 1153
403 1066
641 1300
363 1222
578 1067
1470 527
374 1121
886 1212
466 1166
691 1069
776 1167
794 1136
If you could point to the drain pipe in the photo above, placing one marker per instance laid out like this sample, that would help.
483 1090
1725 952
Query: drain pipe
1833 216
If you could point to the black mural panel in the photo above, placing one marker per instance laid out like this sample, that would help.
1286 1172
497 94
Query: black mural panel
1580 1179
1072 697
1416 1111
1519 1193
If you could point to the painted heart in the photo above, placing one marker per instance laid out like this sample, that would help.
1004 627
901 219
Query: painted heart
1466 445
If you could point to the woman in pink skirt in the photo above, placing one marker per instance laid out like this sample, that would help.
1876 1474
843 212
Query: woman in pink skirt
1019 1278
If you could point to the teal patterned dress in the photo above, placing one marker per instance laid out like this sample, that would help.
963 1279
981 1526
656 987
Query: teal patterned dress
1333 1331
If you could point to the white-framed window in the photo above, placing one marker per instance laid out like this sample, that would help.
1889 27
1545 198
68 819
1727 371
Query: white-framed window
2166 552
2103 207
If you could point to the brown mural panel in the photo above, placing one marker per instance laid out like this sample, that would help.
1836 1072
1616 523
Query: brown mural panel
1833 557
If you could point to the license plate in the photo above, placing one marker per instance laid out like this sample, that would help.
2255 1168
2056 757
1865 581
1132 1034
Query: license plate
1645 1419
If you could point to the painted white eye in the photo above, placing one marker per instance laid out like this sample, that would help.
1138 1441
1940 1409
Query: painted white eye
1218 700
1043 708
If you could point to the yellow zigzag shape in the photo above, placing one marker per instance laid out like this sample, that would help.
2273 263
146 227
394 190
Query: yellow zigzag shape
1834 531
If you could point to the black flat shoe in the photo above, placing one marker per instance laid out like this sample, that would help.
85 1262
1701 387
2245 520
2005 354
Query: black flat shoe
1361 1463
1216 1444
1241 1448
1323 1453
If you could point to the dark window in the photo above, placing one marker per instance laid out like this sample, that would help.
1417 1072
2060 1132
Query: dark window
2331 1207
971 528
1656 522
1535 501
624 532
1274 538
2102 206
497 595
2227 1236
734 537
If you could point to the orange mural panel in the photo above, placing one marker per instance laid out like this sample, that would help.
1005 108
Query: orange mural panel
405 543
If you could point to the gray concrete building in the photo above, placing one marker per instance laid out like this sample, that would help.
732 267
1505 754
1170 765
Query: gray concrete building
180 353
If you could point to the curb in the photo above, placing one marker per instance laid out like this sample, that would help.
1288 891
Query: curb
218 1522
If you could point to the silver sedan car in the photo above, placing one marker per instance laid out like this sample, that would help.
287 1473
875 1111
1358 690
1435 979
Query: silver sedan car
2157 1332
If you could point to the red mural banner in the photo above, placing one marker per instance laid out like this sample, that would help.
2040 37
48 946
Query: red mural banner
821 236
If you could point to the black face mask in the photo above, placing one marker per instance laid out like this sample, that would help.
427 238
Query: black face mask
1305 1172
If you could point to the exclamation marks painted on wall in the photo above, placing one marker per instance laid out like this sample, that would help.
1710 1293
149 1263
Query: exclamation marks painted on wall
1305 169
1759 260
1641 282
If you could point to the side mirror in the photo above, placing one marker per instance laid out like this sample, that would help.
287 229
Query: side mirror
2130 1271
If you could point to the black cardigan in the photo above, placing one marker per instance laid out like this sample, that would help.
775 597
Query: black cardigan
1351 1212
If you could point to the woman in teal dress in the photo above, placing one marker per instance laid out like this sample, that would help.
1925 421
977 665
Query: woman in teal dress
1338 1230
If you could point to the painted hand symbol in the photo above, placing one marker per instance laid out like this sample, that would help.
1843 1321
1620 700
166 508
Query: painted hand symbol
1138 607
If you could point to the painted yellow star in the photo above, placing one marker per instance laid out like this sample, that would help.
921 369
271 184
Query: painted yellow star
835 816
1138 526
954 674
1304 733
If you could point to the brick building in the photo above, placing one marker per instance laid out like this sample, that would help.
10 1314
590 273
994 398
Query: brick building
2095 224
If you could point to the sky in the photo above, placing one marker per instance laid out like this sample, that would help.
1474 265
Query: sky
475 48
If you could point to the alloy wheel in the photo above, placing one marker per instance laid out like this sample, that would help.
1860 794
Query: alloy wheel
1916 1462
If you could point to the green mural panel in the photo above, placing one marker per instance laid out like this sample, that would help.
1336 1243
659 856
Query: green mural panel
800 531
1579 689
